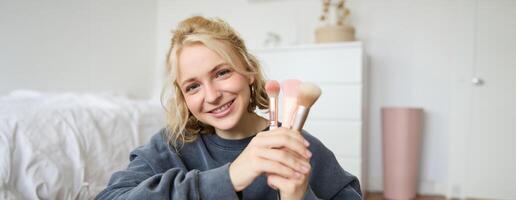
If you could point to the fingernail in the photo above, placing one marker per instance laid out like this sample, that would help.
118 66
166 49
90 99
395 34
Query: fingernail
307 143
306 169
308 154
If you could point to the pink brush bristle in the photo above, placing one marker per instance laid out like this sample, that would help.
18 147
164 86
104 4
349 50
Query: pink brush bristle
307 95
290 90
290 87
272 87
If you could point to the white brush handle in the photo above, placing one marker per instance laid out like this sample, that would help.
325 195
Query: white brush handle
300 118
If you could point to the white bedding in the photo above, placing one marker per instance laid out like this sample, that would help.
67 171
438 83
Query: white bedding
66 146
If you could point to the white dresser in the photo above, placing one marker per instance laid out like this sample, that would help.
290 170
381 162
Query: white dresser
337 117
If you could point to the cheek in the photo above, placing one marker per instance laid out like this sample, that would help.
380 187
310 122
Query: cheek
240 84
244 92
193 103
239 89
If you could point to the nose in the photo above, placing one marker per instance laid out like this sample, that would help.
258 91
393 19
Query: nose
212 94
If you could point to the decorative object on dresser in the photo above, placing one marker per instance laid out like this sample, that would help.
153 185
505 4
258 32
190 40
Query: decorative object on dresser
341 31
337 119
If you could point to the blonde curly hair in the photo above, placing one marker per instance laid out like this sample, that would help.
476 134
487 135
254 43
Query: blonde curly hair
217 35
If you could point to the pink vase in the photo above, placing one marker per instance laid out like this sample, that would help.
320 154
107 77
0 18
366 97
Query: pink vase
401 138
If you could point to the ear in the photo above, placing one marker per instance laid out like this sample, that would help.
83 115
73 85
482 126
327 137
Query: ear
251 79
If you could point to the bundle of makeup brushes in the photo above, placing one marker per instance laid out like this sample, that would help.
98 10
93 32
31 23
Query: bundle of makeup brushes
297 100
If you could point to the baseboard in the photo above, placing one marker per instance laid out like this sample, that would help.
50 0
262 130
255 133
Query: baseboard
429 188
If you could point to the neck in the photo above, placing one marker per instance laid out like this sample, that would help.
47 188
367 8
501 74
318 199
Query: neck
249 125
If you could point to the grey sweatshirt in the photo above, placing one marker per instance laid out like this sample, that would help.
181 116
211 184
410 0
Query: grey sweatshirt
200 170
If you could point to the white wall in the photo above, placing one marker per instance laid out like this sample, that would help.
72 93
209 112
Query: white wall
86 46
411 46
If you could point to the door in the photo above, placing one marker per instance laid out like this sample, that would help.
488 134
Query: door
491 144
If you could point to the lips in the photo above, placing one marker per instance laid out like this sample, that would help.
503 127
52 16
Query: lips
222 110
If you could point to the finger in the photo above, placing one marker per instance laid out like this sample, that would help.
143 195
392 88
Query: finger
272 167
286 158
284 141
292 133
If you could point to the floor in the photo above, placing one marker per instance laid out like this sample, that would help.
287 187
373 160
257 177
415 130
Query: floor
378 196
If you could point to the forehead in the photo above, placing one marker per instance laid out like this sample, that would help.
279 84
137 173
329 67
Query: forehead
195 60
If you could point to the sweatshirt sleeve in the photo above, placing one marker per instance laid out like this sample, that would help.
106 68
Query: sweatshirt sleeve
144 178
347 192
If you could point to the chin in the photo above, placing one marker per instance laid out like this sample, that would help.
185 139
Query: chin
229 123
225 124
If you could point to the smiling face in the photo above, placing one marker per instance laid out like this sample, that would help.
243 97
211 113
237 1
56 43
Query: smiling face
214 92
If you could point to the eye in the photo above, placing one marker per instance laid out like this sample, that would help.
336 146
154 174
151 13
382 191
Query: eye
192 88
223 73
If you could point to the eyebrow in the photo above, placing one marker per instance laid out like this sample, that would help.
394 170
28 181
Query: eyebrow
218 66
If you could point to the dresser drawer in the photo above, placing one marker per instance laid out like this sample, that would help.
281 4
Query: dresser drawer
338 102
341 137
313 64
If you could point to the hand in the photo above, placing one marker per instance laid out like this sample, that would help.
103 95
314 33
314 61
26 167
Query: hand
290 188
281 151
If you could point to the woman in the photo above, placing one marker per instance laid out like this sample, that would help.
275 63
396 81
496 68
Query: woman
215 146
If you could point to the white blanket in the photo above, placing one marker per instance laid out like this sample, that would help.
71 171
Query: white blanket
66 146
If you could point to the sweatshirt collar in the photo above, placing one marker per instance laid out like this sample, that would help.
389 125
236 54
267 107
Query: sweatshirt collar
238 144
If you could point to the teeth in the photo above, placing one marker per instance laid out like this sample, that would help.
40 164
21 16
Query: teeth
222 108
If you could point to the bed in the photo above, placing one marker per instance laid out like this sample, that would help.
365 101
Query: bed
67 145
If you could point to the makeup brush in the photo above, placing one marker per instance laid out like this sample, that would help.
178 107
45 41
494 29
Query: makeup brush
308 94
290 89
272 88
